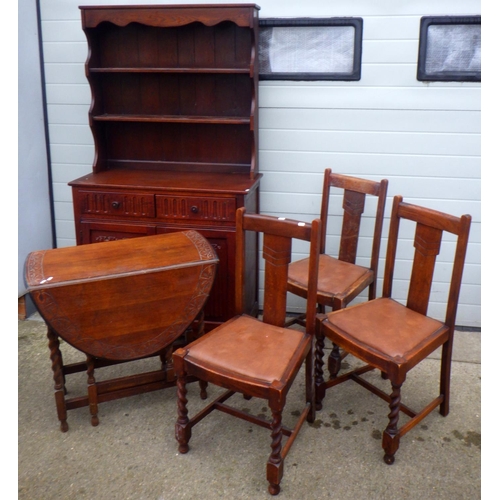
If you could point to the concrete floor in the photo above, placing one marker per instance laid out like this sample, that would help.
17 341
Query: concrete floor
132 454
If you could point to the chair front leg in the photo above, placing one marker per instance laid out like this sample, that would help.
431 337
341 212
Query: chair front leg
319 381
275 462
390 440
182 426
334 361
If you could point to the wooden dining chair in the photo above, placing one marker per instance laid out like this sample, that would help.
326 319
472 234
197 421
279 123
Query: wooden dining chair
257 358
393 337
341 279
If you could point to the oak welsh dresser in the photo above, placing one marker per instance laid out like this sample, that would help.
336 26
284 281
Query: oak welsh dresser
174 117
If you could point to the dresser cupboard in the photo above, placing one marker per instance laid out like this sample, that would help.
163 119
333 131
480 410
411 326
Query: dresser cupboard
174 117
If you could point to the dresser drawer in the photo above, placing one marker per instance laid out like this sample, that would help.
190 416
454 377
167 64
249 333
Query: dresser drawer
191 208
116 203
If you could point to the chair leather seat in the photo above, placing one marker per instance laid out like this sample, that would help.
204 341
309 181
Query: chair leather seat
336 277
249 349
388 329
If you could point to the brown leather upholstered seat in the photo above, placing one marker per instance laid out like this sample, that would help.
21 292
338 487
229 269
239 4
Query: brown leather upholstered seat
389 332
336 278
249 350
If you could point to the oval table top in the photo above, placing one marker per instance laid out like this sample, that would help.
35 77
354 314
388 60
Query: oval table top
125 299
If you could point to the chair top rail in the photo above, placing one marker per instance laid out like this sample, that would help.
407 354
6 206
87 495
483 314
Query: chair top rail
433 218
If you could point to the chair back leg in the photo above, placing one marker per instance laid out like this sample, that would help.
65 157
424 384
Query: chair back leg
447 349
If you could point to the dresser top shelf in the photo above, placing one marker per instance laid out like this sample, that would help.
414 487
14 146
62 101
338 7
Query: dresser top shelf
166 16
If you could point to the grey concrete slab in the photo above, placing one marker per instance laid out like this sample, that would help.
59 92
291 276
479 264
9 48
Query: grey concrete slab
132 454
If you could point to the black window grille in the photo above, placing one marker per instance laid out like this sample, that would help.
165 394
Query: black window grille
310 49
450 49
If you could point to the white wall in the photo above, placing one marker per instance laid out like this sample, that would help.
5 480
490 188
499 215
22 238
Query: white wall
423 137
34 216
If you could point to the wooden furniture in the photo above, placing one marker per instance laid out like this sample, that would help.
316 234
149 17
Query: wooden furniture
120 301
393 337
257 358
174 117
341 279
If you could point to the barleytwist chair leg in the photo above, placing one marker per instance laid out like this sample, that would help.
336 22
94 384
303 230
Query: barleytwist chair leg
182 426
318 371
275 462
334 362
390 440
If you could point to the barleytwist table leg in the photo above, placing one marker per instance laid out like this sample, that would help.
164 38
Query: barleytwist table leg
57 369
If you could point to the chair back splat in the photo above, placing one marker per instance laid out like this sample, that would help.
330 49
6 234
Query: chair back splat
393 337
427 242
252 357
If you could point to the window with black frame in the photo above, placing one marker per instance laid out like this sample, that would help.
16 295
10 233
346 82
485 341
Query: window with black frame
450 49
310 49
